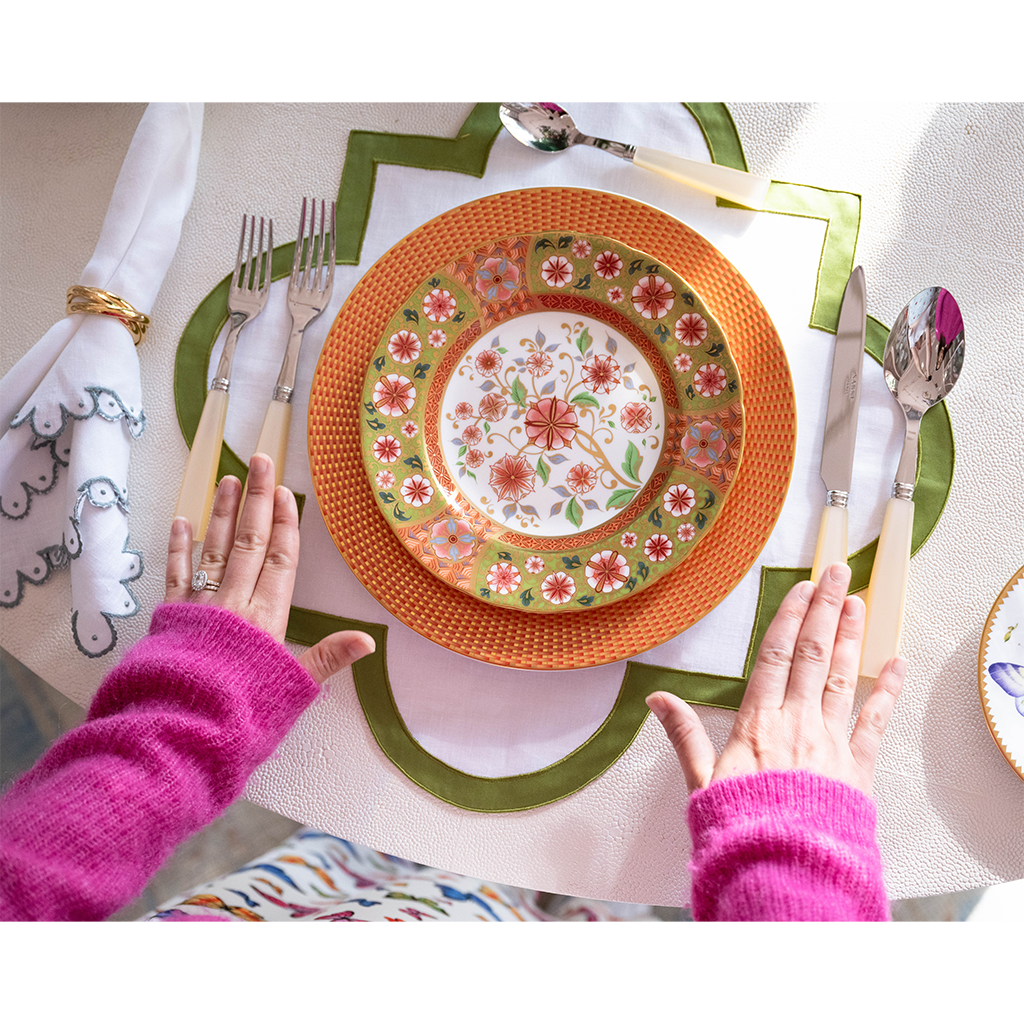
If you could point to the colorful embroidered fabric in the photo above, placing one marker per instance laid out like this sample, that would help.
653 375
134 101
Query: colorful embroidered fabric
317 877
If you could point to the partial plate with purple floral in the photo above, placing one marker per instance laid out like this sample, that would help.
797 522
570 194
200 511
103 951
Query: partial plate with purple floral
552 422
1001 672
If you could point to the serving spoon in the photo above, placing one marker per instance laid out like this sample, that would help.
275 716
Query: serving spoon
923 356
549 128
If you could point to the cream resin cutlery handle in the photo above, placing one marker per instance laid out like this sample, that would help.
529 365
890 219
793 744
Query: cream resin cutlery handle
200 479
887 591
736 186
273 440
832 540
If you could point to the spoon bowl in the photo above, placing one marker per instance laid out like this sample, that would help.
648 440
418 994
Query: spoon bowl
923 357
543 126
547 127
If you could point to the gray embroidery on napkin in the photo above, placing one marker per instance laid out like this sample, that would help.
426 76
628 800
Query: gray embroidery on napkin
105 403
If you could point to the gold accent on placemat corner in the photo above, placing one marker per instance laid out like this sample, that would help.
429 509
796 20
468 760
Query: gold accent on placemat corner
83 299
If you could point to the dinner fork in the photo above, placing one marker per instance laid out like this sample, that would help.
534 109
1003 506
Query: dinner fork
247 295
309 291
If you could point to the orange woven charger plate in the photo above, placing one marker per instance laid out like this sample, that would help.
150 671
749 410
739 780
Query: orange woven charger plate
568 640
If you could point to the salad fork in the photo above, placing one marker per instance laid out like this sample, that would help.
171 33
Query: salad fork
247 295
309 291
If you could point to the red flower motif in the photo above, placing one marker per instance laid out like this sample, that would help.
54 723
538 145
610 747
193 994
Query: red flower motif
607 571
488 362
558 588
551 424
437 338
682 362
653 297
534 564
387 448
608 265
493 407
394 394
464 410
474 458
616 295
691 329
417 490
658 547
439 305
410 428
472 434
504 577
385 479
404 346
628 540
512 478
497 279
582 478
556 271
678 500
686 532
710 380
601 374
581 248
538 363
636 417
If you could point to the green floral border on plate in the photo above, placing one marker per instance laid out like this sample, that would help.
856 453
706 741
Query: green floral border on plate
467 153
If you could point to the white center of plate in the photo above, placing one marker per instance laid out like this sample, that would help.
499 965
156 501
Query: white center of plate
551 423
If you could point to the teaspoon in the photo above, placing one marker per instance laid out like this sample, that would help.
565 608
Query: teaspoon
922 361
549 128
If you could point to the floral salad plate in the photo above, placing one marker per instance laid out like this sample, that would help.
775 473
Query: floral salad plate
1001 672
552 422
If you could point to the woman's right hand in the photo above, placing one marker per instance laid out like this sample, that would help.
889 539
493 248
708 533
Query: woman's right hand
796 711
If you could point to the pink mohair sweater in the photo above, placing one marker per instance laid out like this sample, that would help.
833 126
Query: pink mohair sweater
177 728
785 846
172 736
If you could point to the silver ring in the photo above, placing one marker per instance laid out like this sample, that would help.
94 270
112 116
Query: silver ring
200 581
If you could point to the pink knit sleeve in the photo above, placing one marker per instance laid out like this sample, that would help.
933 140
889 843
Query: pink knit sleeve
172 736
785 846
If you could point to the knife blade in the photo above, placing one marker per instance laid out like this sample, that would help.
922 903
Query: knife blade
841 425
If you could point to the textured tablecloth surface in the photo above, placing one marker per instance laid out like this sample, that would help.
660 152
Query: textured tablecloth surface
941 187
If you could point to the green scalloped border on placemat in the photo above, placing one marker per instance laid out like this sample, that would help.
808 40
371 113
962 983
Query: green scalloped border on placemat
467 153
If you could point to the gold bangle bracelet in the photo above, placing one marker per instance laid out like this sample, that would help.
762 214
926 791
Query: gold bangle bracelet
82 299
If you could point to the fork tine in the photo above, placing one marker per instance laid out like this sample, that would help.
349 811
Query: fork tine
297 261
248 259
269 261
320 250
258 264
236 277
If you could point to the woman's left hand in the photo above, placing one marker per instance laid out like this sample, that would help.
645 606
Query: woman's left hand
254 563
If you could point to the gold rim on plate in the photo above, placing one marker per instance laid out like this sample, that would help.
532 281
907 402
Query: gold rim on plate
503 636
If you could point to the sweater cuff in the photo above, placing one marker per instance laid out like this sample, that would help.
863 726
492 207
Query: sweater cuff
223 666
795 796
787 845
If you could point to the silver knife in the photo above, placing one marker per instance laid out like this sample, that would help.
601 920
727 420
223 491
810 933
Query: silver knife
841 425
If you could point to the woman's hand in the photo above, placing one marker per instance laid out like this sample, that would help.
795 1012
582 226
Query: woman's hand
254 564
796 710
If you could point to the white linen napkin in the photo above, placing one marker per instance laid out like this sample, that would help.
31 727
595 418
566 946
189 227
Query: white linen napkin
72 405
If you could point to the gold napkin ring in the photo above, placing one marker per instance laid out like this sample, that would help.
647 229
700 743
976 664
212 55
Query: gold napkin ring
82 299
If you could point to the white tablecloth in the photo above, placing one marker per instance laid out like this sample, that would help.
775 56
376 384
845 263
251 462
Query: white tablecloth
942 189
